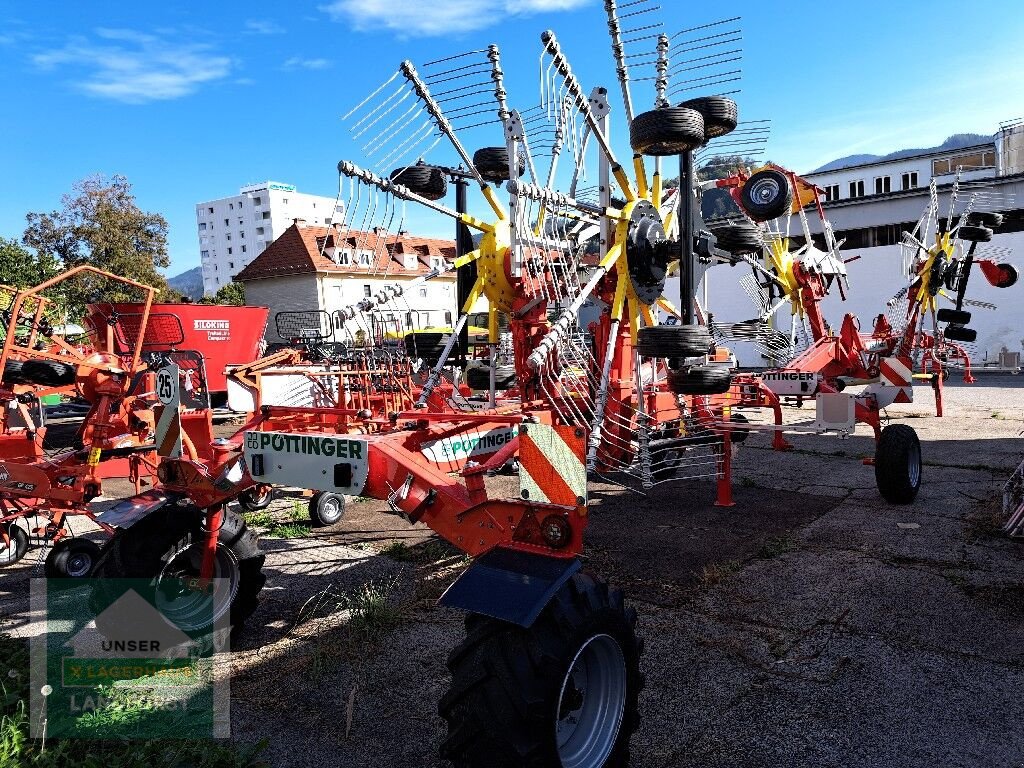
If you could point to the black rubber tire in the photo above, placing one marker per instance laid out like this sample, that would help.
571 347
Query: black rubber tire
667 131
502 708
897 454
959 333
144 551
73 558
480 378
766 195
256 498
738 238
16 548
972 234
424 180
13 373
49 373
426 346
326 508
739 433
988 219
492 163
720 114
700 380
673 341
958 316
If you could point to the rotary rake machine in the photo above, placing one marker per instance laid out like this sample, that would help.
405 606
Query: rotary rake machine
548 674
938 256
51 486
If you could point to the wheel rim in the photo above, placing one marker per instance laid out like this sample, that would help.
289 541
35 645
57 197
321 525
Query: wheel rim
765 191
191 609
591 704
79 564
914 465
10 551
330 510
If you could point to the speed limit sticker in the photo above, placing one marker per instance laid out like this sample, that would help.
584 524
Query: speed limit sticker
167 384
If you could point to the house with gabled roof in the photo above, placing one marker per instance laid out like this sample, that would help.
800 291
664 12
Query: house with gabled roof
324 269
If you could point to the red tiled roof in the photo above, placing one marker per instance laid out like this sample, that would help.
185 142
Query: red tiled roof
298 251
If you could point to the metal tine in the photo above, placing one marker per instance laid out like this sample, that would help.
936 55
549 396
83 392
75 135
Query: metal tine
738 38
398 94
453 112
718 23
453 93
453 57
643 28
639 39
476 71
707 84
380 88
356 135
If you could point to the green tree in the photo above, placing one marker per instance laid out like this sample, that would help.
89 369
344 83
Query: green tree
232 294
99 224
20 269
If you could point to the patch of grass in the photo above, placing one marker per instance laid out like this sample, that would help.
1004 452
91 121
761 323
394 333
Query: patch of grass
261 519
715 573
18 749
299 513
288 530
400 551
430 551
775 546
373 612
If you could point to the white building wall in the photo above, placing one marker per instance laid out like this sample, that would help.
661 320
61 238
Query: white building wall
233 231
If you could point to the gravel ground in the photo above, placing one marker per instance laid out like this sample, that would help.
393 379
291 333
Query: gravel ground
811 624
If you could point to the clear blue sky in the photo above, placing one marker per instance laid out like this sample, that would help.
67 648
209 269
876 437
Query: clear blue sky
192 100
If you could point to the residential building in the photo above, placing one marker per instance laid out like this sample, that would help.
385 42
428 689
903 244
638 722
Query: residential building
235 230
318 270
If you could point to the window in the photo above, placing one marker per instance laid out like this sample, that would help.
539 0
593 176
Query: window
832 192
436 262
883 184
410 261
226 223
231 206
243 249
910 180
210 210
423 293
231 265
241 235
968 161
364 258
229 251
448 318
204 254
367 292
257 201
284 201
259 230
344 258
339 208
228 236
857 188
241 221
266 214
214 267
202 226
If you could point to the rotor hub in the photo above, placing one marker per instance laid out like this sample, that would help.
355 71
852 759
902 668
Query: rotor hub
647 252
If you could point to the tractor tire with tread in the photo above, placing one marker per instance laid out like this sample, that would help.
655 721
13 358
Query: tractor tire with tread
13 373
17 545
738 238
720 114
326 508
424 180
50 373
676 341
989 219
960 333
667 131
166 547
492 163
517 698
958 316
700 380
898 464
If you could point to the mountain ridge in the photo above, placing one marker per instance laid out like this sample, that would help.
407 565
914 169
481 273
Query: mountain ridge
956 141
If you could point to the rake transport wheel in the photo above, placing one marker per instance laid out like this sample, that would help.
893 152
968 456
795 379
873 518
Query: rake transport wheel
424 180
958 316
666 131
673 341
13 545
738 238
492 162
49 372
326 508
72 558
561 693
167 546
700 380
766 195
256 498
986 219
719 112
898 464
13 372
959 333
974 234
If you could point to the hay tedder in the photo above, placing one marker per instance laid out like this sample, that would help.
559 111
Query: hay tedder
548 673
42 488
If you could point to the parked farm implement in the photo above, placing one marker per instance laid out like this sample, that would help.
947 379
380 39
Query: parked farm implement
548 674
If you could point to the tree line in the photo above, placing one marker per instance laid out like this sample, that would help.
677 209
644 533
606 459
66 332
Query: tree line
98 224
